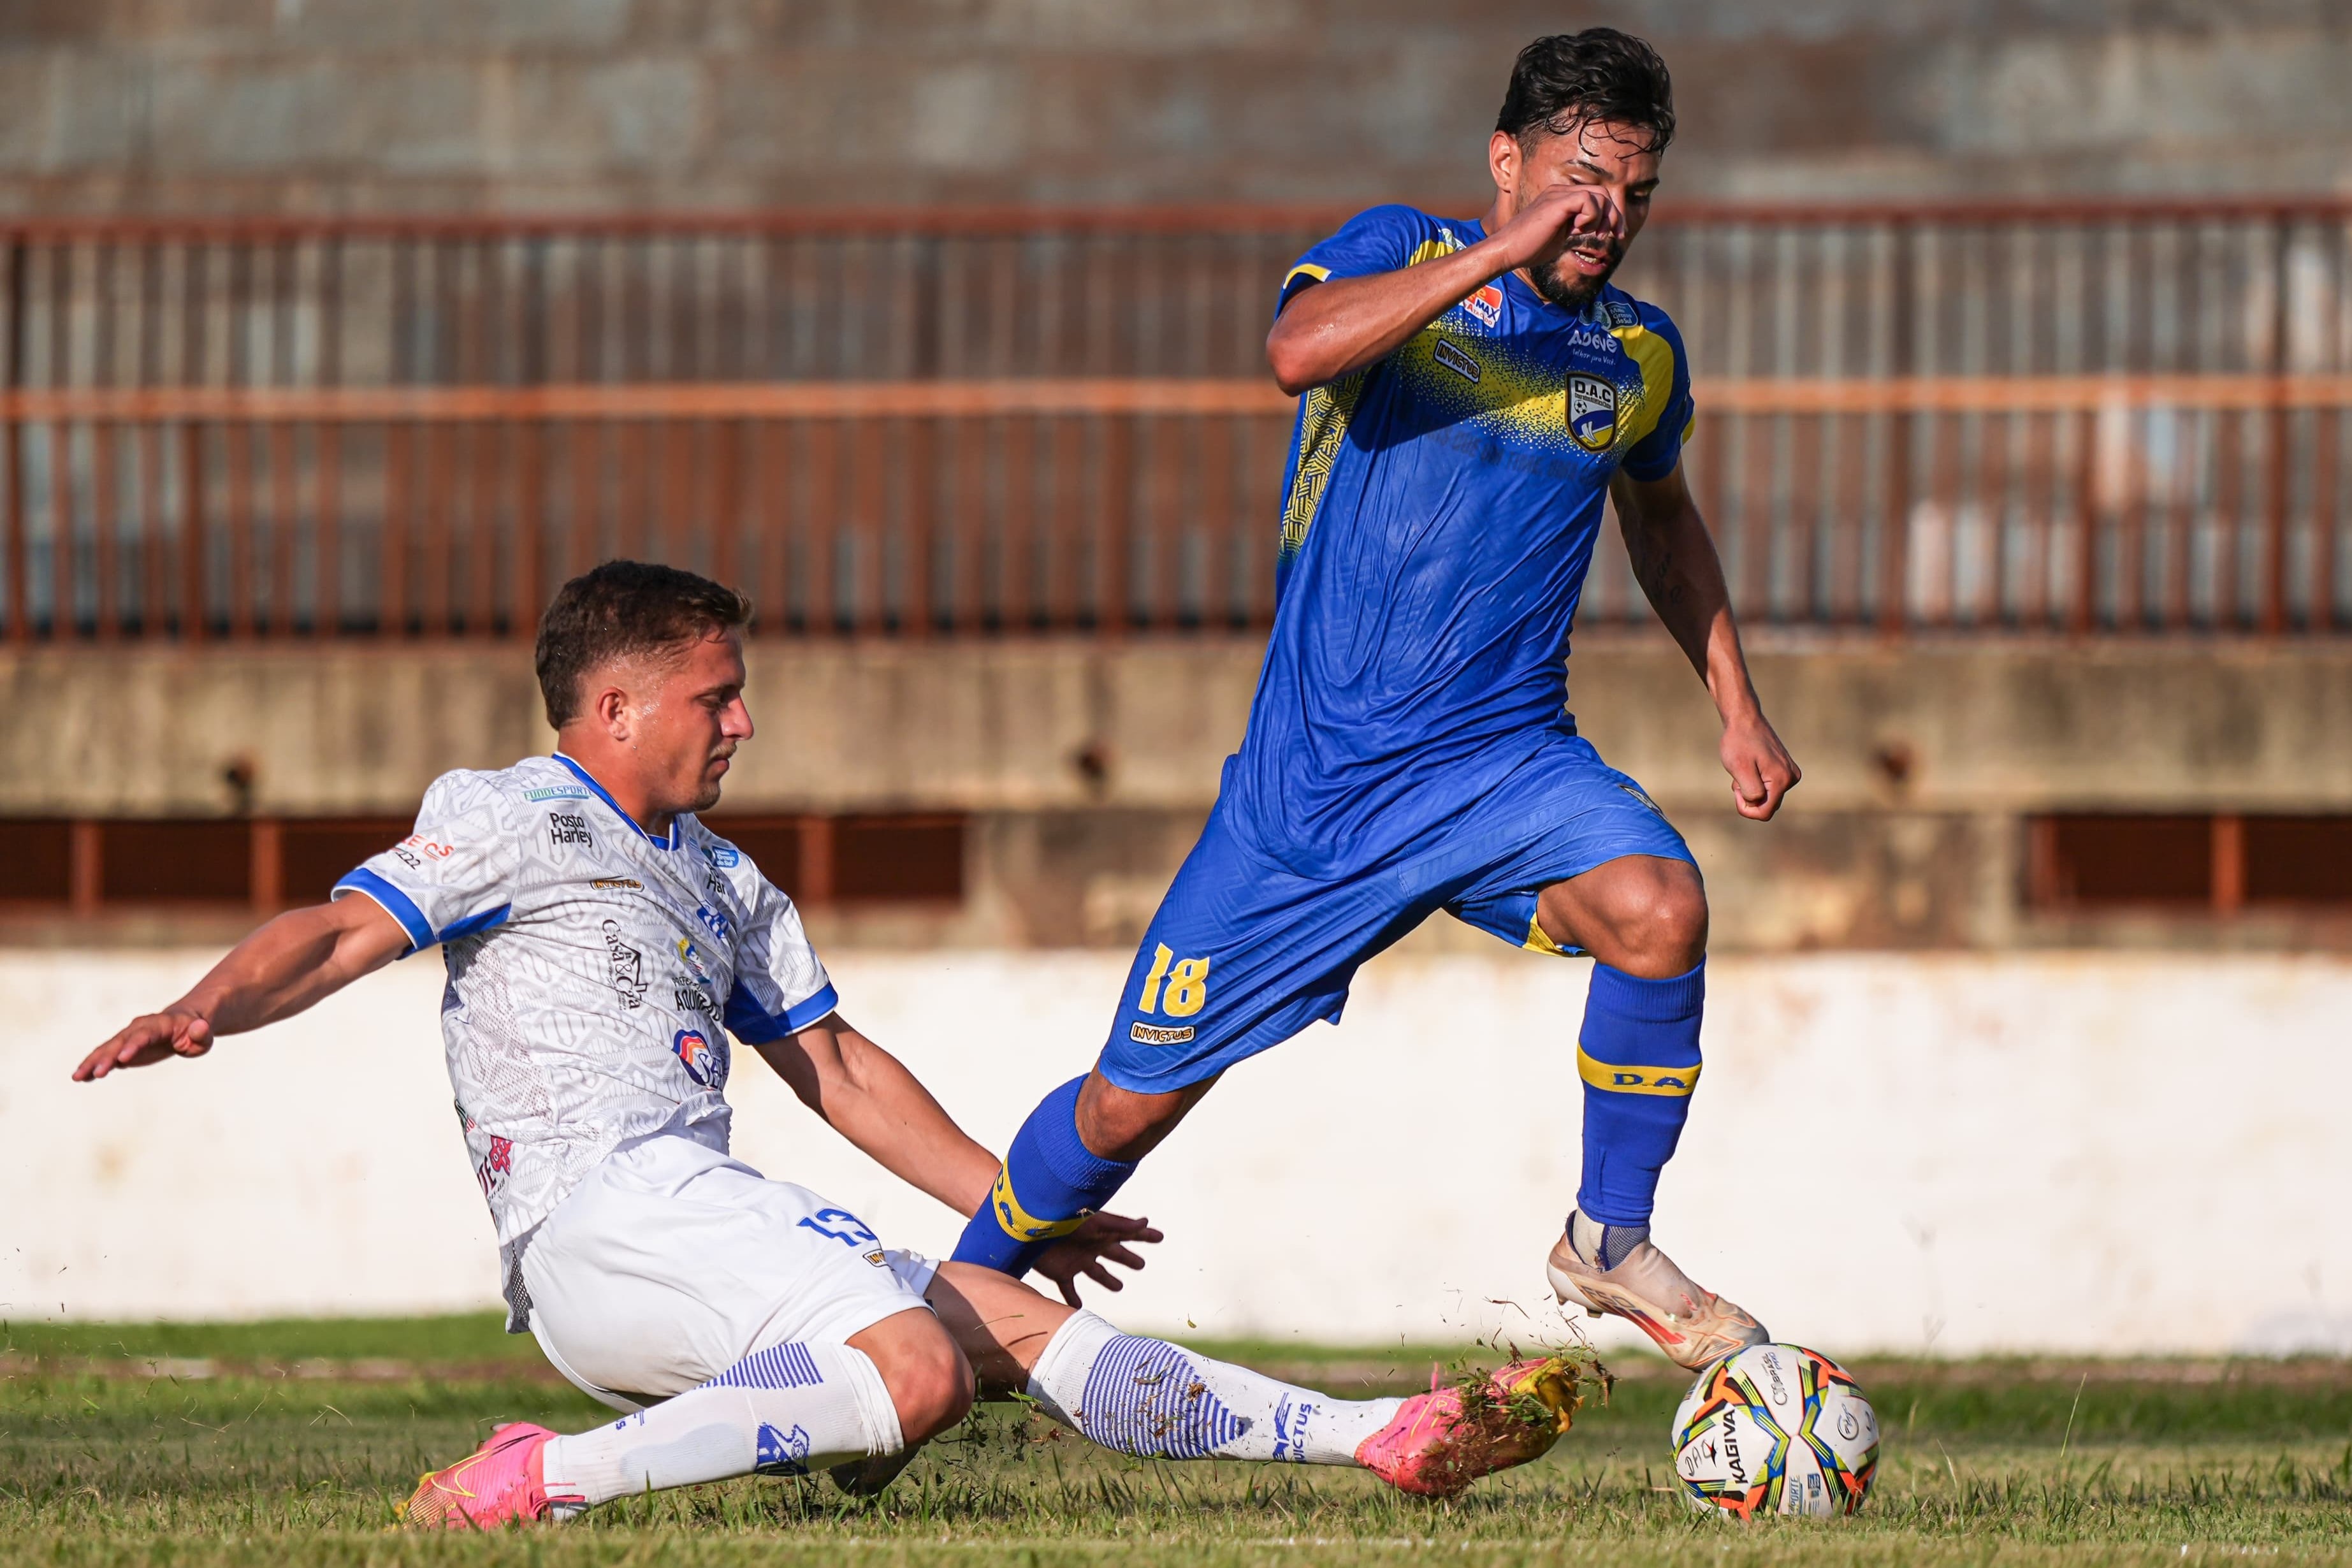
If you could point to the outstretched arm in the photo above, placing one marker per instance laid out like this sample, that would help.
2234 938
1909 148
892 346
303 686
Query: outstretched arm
867 1096
1675 560
294 961
1347 324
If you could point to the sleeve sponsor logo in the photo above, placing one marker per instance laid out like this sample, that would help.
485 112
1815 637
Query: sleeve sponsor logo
558 792
705 1063
1454 359
416 849
625 970
564 827
1158 1035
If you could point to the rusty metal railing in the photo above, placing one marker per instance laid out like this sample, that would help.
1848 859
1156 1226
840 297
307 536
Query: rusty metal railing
2074 418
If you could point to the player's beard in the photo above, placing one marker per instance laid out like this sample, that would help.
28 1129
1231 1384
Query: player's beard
1572 291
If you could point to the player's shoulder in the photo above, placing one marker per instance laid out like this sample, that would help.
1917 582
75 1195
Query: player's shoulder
1622 313
719 853
528 782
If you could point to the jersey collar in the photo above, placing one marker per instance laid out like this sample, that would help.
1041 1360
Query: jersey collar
667 841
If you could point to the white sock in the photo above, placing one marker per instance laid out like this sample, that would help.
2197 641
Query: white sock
1157 1400
787 1410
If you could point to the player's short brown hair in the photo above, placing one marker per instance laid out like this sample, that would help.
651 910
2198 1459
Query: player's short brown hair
621 609
1599 75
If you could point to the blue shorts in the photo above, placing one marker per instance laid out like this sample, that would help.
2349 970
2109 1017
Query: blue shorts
1244 953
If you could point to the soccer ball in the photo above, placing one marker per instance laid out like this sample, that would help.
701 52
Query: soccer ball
1776 1429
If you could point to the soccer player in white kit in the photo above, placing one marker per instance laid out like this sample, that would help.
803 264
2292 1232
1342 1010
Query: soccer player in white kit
602 946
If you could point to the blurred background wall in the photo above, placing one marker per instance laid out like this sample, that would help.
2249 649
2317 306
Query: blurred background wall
334 336
341 105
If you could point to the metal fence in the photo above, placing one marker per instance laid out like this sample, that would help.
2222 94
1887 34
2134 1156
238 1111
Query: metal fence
2106 418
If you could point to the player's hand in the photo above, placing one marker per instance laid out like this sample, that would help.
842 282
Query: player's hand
1559 215
1762 772
152 1038
1090 1249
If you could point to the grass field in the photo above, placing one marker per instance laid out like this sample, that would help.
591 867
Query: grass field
295 1443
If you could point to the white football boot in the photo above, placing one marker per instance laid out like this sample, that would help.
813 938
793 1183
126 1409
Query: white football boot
1692 1325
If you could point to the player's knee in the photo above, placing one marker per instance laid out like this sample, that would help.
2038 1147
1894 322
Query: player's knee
931 1386
1661 927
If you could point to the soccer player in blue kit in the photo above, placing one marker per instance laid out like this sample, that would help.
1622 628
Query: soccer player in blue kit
1473 390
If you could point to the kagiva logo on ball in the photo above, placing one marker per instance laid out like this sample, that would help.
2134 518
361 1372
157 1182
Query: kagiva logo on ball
1776 1429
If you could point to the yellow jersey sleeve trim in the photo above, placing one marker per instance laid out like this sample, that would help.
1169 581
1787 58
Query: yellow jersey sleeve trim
1655 359
1673 1082
1019 1223
1305 269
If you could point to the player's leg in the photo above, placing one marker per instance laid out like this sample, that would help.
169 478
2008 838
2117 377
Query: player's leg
1157 1400
1608 875
745 1324
1241 955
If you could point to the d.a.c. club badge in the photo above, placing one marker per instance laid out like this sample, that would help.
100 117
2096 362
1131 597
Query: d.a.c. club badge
1592 412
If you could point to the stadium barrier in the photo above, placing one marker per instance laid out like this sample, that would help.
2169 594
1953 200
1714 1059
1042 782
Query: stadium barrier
2078 418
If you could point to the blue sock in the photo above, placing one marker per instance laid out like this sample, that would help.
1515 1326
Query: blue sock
1049 1184
1639 1059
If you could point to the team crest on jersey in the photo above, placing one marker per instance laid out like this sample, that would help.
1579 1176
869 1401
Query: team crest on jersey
1593 411
704 1063
1486 304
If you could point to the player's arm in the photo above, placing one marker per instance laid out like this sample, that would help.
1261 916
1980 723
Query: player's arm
867 1096
1347 324
1675 560
289 964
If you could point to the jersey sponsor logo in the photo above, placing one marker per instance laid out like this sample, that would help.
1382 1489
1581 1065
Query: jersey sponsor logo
693 999
563 827
1158 1034
497 1166
720 855
1486 304
691 956
1592 412
558 792
706 1063
1454 359
626 967
616 884
712 920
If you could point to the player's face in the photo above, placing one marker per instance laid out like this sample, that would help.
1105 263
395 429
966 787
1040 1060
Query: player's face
1601 153
684 736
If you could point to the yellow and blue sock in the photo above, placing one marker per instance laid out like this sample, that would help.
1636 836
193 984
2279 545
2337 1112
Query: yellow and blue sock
1050 1181
1639 1059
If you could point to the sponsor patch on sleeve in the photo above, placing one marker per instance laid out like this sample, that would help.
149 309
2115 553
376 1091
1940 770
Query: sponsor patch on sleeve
1158 1035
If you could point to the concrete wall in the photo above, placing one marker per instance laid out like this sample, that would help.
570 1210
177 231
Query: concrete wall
1956 1156
1089 768
355 104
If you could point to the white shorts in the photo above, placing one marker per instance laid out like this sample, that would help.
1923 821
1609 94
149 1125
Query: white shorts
672 1262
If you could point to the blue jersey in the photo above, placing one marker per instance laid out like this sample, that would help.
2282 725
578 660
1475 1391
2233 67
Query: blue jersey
1438 517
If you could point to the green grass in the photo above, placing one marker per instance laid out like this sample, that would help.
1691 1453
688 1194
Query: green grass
111 1452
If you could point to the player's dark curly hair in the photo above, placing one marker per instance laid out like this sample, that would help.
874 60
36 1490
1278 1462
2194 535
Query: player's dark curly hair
619 609
1570 79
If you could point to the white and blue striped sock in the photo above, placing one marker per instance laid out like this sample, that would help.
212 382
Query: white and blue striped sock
1157 1400
790 1409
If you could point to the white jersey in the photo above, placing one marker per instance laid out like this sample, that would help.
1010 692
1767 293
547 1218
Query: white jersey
596 971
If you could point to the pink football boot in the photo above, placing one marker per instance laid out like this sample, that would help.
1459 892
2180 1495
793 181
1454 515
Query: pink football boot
501 1482
1442 1440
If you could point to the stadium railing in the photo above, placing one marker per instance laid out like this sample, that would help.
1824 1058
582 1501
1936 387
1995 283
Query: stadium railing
2079 418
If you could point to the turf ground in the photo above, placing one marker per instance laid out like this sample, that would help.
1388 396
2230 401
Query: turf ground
295 1443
